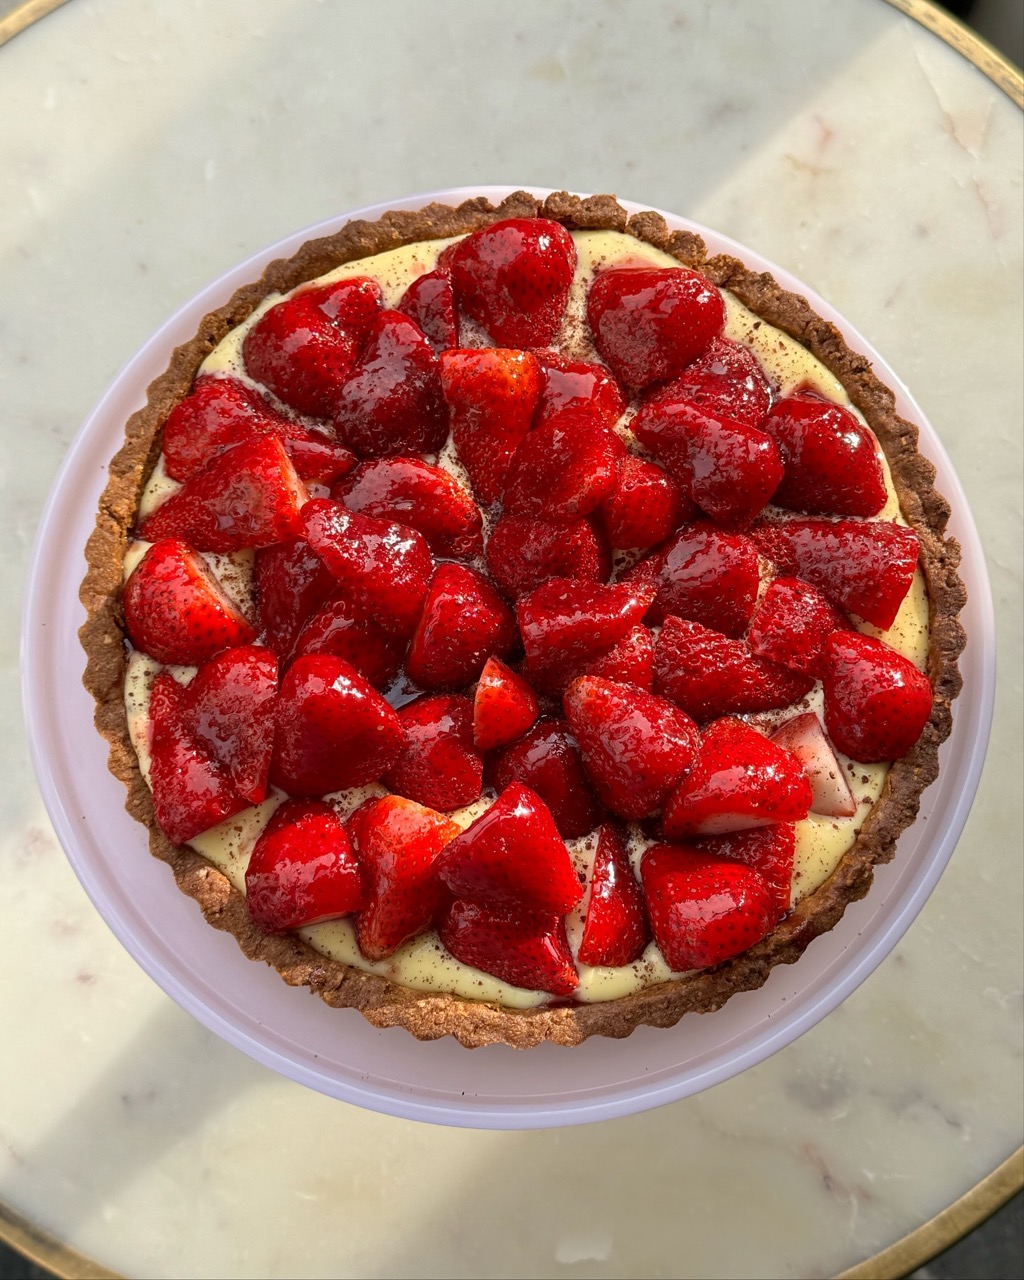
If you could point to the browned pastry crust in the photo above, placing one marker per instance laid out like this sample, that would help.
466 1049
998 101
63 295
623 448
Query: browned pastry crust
472 1023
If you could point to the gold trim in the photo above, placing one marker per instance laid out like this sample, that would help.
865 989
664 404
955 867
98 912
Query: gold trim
24 16
47 1251
999 69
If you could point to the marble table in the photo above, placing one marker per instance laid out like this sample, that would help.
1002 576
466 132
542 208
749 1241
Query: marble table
147 147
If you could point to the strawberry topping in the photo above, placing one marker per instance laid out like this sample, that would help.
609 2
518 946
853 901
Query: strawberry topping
615 930
439 765
877 703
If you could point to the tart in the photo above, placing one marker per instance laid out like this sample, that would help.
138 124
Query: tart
513 624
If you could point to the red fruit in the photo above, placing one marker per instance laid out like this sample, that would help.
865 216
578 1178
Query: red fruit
352 303
706 575
526 949
645 506
514 277
397 843
703 910
334 730
339 628
300 354
791 624
650 322
521 554
739 779
877 703
191 792
864 566
491 397
303 869
726 379
439 766
291 584
382 567
230 711
416 494
563 470
768 851
464 621
615 931
563 622
635 745
512 856
547 760
631 661
430 301
176 611
832 463
248 496
504 706
572 385
318 459
830 792
709 675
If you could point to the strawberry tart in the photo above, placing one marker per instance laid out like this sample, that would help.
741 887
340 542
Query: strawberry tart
516 625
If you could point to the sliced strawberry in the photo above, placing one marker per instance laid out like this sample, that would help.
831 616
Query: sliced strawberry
703 910
832 463
230 710
176 611
615 931
491 397
504 706
547 760
521 554
572 385
334 730
710 675
464 621
704 574
513 278
416 494
318 459
739 779
303 869
636 746
300 354
512 856
248 496
877 703
338 627
830 792
631 661
397 843
526 949
768 850
430 301
645 507
353 303
564 622
791 624
864 566
439 765
650 322
727 379
292 582
563 470
384 568
191 791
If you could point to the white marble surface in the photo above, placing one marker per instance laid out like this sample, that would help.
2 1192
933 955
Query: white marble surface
145 148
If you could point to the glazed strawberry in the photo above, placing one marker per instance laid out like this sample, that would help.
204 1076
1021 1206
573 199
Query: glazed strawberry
877 702
382 567
464 621
727 379
864 566
703 910
563 470
832 464
191 791
513 278
439 765
739 779
547 760
649 323
564 622
504 706
397 843
176 611
338 627
615 930
767 850
491 397
791 624
303 869
645 506
631 661
334 730
710 675
416 494
830 791
292 582
522 554
526 949
230 710
430 301
635 745
569 386
512 857
248 496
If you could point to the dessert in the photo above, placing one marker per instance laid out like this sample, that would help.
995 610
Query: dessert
515 625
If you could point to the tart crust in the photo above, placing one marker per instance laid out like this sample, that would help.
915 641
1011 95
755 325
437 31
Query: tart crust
429 1016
